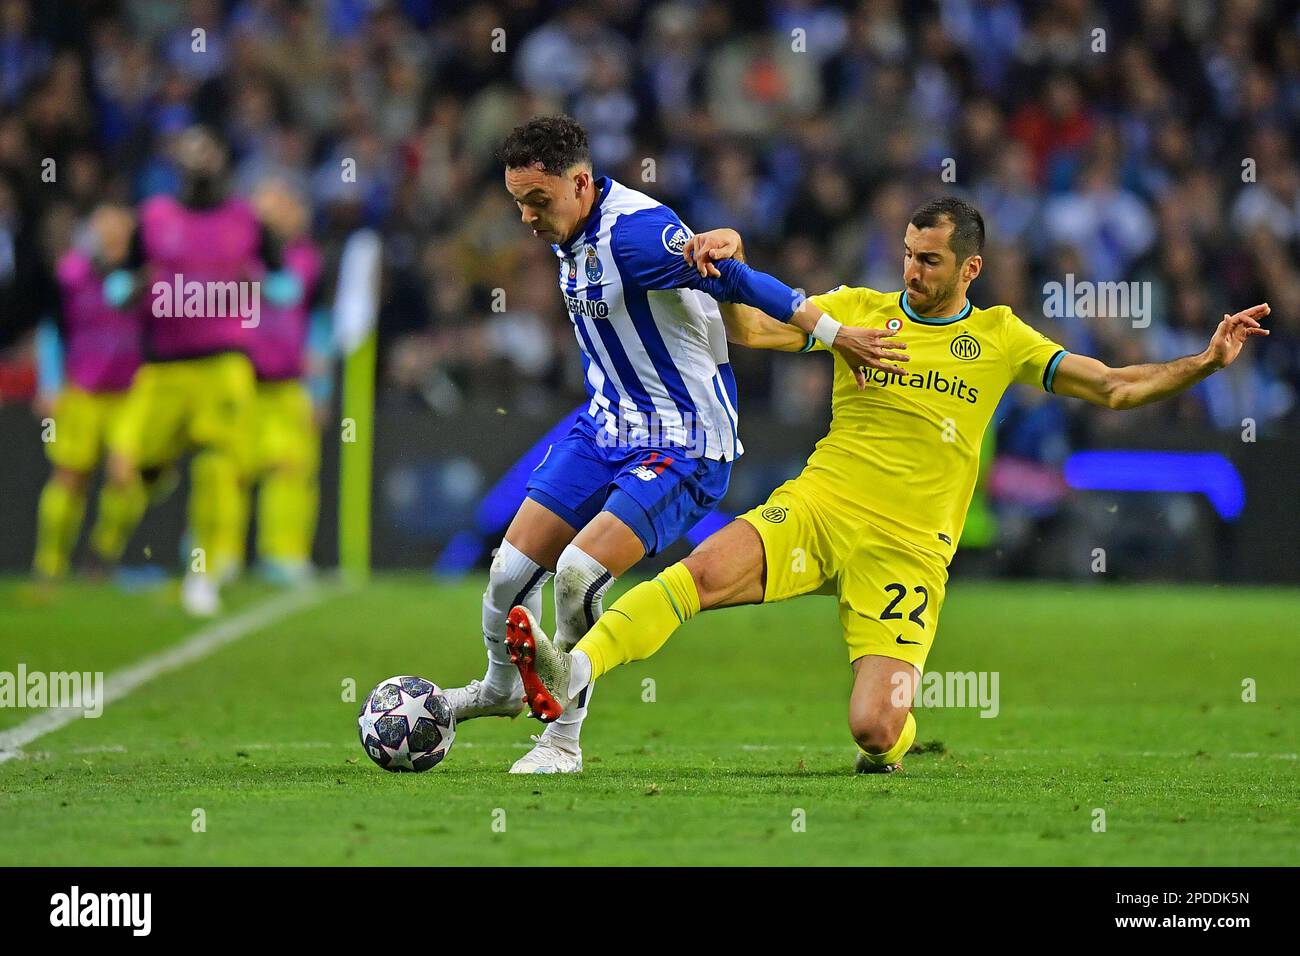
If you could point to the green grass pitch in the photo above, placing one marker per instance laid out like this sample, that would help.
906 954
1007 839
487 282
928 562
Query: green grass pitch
1123 699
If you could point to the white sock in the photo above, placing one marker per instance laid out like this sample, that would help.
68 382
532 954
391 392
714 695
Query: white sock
580 585
513 579
579 677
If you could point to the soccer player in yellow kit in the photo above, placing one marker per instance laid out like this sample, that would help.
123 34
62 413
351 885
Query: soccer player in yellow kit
100 348
877 513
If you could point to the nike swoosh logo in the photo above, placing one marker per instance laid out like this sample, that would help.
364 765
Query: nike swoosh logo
900 640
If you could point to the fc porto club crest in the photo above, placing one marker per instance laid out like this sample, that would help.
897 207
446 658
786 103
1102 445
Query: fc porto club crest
894 325
594 269
965 347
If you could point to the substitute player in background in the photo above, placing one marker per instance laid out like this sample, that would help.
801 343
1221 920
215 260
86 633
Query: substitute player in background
287 459
876 514
98 348
194 263
652 453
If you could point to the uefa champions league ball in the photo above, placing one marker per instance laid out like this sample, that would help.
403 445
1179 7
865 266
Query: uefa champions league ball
406 724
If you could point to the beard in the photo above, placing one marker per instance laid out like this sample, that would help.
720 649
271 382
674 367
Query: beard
934 299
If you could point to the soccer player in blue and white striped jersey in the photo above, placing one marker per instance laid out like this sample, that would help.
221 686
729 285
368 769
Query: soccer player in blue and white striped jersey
652 453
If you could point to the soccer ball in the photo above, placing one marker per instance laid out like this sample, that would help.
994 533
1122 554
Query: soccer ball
406 724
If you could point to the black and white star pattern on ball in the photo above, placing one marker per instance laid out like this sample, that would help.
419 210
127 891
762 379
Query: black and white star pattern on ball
399 757
406 724
413 708
368 717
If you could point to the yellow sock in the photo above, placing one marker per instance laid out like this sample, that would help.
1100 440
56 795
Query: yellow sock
218 512
58 522
895 753
120 510
641 620
244 512
288 500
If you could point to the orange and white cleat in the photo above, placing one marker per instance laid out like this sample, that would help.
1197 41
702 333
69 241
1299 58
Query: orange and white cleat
545 668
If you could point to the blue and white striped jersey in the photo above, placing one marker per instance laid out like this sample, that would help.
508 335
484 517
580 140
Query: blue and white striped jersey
654 348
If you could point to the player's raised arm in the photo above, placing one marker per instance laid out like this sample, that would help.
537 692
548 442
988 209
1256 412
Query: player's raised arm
808 324
753 329
649 246
861 348
704 249
745 324
1133 385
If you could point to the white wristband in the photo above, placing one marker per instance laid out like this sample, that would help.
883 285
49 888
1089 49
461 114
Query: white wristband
825 330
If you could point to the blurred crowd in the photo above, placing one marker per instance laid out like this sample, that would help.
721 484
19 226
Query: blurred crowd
1149 141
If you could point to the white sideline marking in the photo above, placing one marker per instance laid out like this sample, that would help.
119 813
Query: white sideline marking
198 645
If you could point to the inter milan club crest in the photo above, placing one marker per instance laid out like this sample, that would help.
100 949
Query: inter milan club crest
572 264
965 347
894 325
594 269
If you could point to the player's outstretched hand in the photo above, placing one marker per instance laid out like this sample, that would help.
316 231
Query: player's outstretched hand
1233 331
706 248
870 348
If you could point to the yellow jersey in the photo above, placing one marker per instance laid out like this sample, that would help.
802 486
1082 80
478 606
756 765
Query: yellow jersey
904 452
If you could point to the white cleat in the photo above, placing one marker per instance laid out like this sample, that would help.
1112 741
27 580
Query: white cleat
199 595
476 700
548 756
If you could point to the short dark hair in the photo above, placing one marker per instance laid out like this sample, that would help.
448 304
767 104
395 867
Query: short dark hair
555 142
967 237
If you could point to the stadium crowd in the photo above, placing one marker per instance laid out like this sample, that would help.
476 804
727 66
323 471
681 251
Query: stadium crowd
1152 141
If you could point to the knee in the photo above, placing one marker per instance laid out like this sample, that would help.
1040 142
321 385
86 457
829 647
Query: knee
570 580
511 576
711 580
121 470
74 481
877 729
293 471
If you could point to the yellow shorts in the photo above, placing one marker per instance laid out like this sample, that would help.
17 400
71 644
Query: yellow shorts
190 403
286 429
890 591
82 423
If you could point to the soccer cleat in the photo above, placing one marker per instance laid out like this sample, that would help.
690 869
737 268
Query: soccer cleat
866 766
476 699
548 756
285 573
199 595
545 668
98 568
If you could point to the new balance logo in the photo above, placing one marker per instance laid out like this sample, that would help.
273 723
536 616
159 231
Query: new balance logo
652 467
